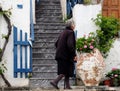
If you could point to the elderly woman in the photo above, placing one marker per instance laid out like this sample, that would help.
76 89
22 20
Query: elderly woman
65 55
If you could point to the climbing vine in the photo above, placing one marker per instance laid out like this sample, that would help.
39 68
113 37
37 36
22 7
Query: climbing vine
6 14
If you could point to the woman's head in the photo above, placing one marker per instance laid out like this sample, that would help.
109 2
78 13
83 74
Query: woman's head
70 24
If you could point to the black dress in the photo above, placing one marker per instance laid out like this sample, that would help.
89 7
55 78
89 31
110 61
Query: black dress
65 52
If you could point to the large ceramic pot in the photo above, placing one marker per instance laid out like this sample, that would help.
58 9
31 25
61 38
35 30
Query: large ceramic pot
90 67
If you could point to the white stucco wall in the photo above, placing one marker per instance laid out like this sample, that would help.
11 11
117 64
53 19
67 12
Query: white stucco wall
82 15
63 6
21 19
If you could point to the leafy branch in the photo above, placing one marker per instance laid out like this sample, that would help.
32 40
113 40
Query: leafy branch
6 15
108 32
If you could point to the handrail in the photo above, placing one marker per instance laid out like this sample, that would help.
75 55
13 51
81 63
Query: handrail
70 5
31 22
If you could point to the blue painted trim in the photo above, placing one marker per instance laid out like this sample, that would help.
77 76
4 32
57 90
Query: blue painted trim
31 22
15 51
26 54
23 70
70 4
22 44
31 58
21 63
20 6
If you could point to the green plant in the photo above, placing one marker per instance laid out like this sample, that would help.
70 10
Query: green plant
2 68
104 36
5 12
86 43
114 75
107 33
87 1
6 15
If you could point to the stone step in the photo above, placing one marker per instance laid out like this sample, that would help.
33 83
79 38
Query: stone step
44 46
49 3
47 24
47 34
81 88
48 30
40 31
38 50
44 75
44 67
41 7
49 27
48 10
75 88
39 55
45 83
45 38
47 44
50 19
44 50
48 14
43 61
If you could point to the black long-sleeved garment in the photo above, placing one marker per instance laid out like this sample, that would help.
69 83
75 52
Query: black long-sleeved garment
65 52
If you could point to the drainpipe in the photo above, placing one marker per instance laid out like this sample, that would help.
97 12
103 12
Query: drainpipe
31 22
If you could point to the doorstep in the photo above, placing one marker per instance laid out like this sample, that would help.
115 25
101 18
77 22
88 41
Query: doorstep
75 88
81 88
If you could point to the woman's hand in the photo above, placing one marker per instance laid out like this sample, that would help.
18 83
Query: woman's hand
75 58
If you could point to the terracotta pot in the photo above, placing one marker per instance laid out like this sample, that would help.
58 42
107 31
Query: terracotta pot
107 82
90 67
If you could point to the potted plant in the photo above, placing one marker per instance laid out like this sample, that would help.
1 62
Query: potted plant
90 61
107 82
114 76
86 43
103 37
92 49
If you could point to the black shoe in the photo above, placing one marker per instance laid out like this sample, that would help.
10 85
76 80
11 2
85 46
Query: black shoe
54 85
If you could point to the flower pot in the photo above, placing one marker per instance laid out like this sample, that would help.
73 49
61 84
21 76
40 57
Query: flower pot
115 82
107 82
90 67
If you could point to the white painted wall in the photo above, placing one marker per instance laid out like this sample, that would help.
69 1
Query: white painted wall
82 15
63 6
21 19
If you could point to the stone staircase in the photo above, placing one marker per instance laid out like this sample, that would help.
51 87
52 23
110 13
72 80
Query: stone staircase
48 26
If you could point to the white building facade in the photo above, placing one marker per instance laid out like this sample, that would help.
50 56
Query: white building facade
21 19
